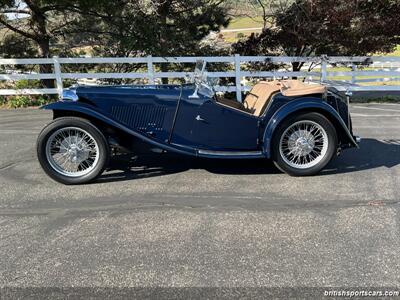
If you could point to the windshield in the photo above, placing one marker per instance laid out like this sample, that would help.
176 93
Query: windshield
200 67
204 83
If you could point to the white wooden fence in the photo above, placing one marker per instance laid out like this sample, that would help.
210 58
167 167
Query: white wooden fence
384 69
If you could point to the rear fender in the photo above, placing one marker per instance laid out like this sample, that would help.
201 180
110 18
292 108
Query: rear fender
85 110
305 105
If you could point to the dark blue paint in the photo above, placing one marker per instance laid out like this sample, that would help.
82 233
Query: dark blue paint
128 99
89 111
304 103
225 129
150 114
185 121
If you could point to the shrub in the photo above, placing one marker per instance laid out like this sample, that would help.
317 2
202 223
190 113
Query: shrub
240 35
19 101
41 100
27 84
25 101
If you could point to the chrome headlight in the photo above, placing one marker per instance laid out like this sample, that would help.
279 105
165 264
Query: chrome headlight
69 95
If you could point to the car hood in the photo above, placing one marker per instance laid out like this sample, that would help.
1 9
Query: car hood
127 93
127 89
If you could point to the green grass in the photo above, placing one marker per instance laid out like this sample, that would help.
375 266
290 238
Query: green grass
344 69
245 22
242 23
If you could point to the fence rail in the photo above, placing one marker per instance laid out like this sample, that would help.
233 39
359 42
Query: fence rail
380 69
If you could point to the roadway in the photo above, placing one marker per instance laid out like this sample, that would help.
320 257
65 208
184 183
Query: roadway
177 222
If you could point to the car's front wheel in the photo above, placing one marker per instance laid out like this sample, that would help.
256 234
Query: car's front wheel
72 150
304 144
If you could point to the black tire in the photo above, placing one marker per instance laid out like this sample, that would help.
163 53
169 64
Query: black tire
103 148
330 152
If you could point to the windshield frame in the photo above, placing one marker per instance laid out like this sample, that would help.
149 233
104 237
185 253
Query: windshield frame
204 85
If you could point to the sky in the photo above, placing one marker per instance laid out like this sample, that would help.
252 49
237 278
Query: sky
19 4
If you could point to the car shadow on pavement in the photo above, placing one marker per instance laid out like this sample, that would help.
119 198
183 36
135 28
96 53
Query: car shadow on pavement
372 154
152 165
149 165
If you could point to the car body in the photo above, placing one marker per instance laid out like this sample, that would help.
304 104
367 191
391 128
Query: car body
190 119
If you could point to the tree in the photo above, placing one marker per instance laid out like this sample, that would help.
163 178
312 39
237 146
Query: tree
157 27
32 22
41 21
333 27
177 27
114 28
16 46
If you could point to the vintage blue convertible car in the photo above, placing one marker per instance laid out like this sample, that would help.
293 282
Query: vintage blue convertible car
299 126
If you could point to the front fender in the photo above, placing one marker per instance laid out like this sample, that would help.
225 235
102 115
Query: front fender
81 108
308 104
88 110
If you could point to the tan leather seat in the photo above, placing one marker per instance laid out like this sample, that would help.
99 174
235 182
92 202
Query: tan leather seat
291 88
257 100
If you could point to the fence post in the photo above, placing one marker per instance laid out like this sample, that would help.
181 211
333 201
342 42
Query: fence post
237 78
150 69
57 72
324 67
353 75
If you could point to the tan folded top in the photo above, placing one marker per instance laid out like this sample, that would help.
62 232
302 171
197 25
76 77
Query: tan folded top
292 88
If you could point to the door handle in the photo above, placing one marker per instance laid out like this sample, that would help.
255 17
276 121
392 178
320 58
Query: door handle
198 118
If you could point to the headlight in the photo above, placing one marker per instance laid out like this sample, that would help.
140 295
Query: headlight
69 95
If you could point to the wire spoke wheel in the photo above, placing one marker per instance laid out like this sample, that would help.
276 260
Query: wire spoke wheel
303 144
72 152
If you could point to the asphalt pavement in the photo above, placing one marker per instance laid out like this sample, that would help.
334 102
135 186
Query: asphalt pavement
174 222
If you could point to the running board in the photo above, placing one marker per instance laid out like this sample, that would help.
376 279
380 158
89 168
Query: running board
230 154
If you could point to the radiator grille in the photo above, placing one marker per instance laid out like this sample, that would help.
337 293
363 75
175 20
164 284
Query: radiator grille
140 117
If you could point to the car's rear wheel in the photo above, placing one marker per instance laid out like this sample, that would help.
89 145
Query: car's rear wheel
304 144
72 150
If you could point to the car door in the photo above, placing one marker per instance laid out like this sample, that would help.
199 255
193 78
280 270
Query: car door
219 127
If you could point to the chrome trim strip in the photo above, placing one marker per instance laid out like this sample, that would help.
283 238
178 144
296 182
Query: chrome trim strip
230 153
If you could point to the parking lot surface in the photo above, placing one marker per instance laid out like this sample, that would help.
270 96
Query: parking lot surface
180 222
